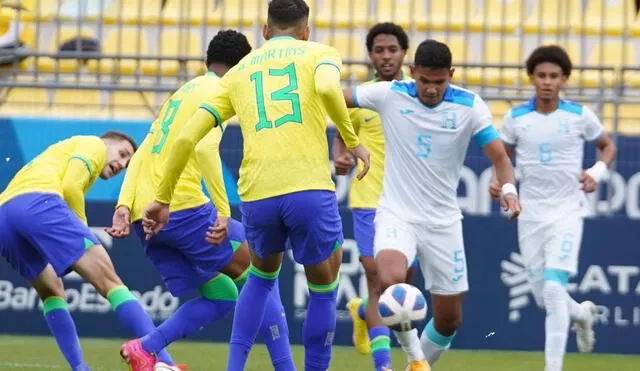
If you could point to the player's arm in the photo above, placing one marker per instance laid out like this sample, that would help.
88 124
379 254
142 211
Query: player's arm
489 140
76 178
212 113
208 157
593 131
509 139
128 188
342 159
327 82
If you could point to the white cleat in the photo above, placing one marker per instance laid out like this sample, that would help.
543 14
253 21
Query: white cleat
585 336
161 366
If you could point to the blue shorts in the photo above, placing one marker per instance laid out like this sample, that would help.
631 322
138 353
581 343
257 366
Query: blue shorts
180 253
37 229
363 230
309 219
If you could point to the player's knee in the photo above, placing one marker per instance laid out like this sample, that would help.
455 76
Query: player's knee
553 294
390 278
221 287
50 288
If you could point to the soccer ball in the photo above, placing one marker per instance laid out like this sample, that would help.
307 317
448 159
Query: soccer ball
401 306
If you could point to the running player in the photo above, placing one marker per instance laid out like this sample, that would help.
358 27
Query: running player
182 252
547 135
44 233
427 125
387 44
281 93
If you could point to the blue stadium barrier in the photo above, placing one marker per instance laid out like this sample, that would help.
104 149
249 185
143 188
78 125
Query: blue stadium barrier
499 312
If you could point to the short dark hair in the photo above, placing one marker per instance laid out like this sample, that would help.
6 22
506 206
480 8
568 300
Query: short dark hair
287 13
388 28
433 54
227 47
552 54
120 136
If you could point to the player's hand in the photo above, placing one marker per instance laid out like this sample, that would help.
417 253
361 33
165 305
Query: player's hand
120 223
219 231
156 216
588 184
363 154
495 190
511 204
344 164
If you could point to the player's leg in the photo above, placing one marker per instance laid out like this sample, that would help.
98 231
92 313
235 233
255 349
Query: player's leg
187 264
363 231
266 236
395 246
56 312
562 252
315 232
23 219
274 329
442 255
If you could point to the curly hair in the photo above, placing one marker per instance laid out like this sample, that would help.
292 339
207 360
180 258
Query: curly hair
552 54
388 28
227 47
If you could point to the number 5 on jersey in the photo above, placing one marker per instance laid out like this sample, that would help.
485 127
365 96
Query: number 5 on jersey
287 93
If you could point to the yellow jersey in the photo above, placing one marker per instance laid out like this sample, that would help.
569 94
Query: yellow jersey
144 172
283 120
365 193
45 173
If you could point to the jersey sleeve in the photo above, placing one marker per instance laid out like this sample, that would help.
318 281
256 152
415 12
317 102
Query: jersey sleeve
208 157
128 188
328 56
90 151
482 121
507 132
592 127
219 104
76 177
371 96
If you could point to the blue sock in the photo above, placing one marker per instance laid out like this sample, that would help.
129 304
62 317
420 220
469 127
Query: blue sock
133 317
380 347
63 329
275 333
319 327
362 309
248 317
188 319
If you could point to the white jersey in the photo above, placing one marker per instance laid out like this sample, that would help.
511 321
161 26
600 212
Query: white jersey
425 147
549 154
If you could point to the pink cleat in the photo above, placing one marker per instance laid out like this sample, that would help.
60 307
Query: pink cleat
136 357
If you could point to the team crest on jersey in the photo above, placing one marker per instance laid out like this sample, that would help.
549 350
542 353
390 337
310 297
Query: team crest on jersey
449 120
564 126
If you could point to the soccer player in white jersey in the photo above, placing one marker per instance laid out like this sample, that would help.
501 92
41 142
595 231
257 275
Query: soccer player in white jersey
547 135
427 125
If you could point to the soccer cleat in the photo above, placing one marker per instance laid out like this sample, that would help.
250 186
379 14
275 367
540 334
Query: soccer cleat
418 366
136 357
360 332
585 336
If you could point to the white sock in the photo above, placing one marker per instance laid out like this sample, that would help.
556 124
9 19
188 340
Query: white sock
556 324
433 343
410 343
576 311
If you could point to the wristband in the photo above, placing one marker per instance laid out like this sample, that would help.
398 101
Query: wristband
509 188
597 171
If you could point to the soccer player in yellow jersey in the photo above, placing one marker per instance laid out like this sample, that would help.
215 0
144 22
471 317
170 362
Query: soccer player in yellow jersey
281 93
387 44
44 233
185 259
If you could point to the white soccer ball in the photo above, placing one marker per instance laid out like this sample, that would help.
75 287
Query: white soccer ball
161 366
402 306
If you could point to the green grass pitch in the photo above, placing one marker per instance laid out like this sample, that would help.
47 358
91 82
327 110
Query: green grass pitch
40 353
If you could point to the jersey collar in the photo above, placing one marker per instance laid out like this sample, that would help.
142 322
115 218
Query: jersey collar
375 77
281 38
211 73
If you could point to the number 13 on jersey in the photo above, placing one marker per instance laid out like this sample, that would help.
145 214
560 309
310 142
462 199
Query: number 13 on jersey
287 93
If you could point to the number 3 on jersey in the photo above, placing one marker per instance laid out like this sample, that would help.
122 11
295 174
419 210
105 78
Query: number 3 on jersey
287 93
167 120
